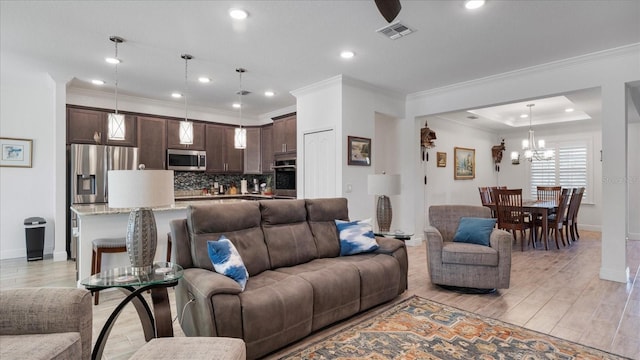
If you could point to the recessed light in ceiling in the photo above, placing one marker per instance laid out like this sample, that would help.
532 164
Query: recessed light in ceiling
473 4
112 60
238 14
236 105
269 93
568 110
524 116
176 95
347 54
97 82
204 79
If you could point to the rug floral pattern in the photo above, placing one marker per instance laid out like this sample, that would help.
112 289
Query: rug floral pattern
417 328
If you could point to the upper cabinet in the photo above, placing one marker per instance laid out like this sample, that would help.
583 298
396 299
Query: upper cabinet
252 158
86 126
152 142
222 157
284 134
173 136
266 144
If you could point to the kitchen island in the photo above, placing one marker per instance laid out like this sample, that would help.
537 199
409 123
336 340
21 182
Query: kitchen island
100 221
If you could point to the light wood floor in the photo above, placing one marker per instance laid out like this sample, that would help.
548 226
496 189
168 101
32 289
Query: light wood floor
557 292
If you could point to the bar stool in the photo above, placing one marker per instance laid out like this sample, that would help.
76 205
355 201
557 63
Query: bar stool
101 246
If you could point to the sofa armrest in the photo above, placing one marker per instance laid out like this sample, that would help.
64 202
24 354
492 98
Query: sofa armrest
206 283
47 310
388 245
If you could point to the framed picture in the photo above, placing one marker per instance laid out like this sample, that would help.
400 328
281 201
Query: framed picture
15 152
441 159
465 163
359 151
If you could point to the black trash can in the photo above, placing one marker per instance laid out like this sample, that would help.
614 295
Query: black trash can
34 231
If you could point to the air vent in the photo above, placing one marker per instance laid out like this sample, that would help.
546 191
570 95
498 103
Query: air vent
243 92
395 31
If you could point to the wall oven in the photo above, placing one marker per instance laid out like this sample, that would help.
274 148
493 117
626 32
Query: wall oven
186 160
285 177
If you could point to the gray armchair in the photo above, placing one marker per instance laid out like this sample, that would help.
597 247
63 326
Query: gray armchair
465 265
45 323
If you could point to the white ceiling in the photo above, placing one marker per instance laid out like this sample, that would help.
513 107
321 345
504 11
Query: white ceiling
286 45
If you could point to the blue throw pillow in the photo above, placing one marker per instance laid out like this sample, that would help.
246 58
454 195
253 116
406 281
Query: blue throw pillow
356 237
474 230
227 261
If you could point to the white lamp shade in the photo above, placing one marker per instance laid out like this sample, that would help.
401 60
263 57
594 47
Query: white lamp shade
186 132
240 138
383 184
140 188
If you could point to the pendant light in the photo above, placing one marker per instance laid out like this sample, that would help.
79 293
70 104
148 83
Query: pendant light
186 126
532 150
116 123
240 136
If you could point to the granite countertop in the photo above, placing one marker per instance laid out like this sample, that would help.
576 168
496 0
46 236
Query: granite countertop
104 209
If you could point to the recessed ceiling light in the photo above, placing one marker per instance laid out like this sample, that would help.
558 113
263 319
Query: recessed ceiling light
524 116
473 4
176 95
111 60
97 82
347 54
204 79
236 105
238 14
568 110
269 93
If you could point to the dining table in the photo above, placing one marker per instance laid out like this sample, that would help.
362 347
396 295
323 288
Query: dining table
537 207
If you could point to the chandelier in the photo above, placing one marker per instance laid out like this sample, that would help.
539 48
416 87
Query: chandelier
532 150
186 126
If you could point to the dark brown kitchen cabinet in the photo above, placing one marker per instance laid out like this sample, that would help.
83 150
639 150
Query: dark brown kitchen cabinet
86 126
173 136
152 142
266 144
284 134
252 160
222 157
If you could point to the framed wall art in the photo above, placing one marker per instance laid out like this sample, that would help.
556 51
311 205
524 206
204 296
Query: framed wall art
464 163
16 152
359 151
441 159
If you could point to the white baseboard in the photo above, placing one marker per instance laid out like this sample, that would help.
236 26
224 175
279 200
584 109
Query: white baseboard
60 256
617 275
588 227
13 254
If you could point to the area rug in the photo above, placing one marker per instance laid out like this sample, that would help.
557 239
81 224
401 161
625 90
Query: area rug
418 328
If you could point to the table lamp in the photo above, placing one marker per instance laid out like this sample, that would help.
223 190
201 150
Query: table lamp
141 190
384 185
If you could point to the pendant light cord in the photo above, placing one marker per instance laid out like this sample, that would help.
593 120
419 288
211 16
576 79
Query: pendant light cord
186 62
116 94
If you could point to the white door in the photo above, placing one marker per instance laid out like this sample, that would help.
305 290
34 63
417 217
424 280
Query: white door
319 165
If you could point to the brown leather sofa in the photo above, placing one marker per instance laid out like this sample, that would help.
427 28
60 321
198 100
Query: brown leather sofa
298 282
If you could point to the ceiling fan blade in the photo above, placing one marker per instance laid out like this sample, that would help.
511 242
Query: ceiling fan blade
389 9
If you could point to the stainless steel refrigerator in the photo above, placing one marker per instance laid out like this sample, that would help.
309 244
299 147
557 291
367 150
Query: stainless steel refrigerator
87 181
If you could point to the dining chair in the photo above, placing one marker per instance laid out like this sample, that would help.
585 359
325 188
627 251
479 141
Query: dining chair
571 219
511 216
548 193
555 221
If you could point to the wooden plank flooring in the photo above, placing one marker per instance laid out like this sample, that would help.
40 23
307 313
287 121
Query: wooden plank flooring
557 292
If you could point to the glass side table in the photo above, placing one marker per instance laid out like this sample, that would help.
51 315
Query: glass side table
154 324
400 235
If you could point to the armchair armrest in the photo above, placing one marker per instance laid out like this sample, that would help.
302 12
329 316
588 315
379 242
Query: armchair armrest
501 241
47 310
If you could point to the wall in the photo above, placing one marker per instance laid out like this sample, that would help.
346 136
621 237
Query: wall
633 176
28 110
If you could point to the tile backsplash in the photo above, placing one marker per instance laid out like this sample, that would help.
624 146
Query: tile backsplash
188 182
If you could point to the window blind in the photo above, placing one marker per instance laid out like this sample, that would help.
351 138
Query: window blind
568 168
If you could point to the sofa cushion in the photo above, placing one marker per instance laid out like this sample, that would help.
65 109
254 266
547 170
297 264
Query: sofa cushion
474 230
469 254
227 261
277 309
240 222
321 214
336 289
65 345
356 237
287 233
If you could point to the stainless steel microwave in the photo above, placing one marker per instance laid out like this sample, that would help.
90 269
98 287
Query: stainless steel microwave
186 160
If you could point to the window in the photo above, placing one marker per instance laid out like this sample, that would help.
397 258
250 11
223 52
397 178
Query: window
568 168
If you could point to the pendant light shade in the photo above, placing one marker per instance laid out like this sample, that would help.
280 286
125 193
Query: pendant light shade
116 124
240 136
186 126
